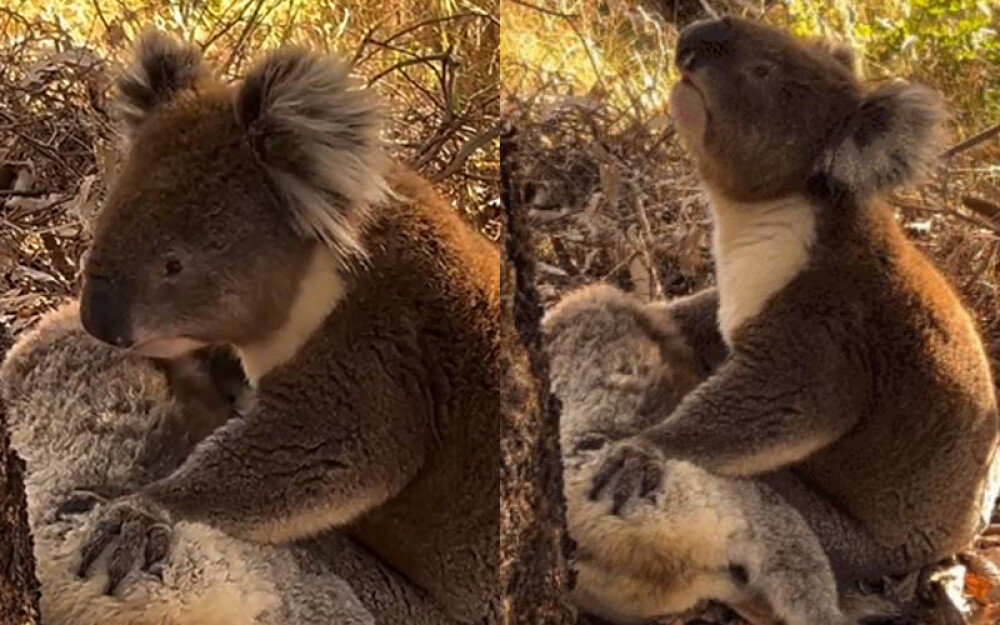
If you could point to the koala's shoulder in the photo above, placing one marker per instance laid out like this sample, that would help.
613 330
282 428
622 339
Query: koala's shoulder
431 233
615 360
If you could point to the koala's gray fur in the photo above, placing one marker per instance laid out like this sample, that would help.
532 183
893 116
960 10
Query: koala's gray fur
615 365
86 416
266 216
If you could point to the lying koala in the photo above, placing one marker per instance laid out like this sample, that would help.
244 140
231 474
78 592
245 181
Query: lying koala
616 364
87 416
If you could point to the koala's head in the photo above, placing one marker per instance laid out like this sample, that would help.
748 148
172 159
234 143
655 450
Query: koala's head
764 113
226 194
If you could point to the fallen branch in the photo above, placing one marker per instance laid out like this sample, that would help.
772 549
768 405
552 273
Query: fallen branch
646 238
987 209
972 142
975 220
19 588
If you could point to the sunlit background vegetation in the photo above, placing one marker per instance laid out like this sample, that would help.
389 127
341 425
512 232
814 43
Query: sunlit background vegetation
625 46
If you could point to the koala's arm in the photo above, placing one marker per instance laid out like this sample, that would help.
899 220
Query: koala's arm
756 415
308 456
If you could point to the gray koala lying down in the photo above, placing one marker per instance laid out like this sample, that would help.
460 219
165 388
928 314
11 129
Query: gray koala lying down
616 365
88 417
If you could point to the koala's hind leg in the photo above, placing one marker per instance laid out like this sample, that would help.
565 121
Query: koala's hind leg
697 536
854 554
384 593
775 564
788 575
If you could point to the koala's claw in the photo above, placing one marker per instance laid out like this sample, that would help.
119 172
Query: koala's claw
157 546
135 533
591 442
79 502
627 471
890 620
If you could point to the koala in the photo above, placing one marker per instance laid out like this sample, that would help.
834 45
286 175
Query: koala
153 413
855 383
266 216
616 364
89 417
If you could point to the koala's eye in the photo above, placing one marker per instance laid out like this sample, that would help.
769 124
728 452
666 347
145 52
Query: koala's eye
173 267
761 71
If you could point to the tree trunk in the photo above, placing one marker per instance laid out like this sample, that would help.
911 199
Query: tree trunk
19 589
533 543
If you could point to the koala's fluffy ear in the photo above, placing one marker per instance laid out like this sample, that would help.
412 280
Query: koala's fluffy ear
317 135
893 138
162 68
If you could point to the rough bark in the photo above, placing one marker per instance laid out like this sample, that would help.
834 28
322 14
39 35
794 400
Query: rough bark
533 543
19 590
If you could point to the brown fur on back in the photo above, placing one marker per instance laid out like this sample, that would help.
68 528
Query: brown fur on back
909 357
443 529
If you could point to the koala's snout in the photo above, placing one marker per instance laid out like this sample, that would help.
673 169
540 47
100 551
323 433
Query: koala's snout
103 312
703 41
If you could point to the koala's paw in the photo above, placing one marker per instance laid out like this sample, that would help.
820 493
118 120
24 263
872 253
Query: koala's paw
629 470
136 531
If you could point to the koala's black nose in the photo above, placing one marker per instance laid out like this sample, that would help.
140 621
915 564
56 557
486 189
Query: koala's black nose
703 41
103 312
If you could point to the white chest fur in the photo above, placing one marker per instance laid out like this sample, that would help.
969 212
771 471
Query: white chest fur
319 292
758 248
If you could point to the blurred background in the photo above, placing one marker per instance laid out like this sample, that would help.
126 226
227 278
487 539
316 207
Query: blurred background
613 197
435 62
